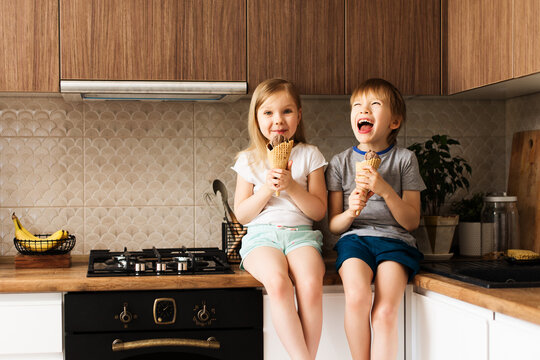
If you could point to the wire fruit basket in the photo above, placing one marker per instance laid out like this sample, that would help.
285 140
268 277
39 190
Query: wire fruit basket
44 247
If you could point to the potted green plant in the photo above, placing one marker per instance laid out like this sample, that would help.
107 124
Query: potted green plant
469 227
443 174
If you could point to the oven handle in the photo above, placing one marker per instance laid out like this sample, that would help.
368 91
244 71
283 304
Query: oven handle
210 343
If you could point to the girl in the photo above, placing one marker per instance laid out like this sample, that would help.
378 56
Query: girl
280 248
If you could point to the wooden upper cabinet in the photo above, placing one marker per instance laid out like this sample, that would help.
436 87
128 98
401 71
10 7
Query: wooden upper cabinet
29 46
397 40
300 41
526 37
479 43
153 39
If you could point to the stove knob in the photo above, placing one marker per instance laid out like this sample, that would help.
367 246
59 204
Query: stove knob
161 267
125 316
203 315
140 267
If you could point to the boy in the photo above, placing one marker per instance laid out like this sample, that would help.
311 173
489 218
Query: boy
375 244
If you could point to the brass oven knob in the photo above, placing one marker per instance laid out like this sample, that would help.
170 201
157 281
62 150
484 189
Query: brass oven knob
203 315
125 316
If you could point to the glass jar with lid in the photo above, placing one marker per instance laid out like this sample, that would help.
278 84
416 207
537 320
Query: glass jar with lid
500 223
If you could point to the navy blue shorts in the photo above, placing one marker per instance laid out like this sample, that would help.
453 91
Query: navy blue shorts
373 250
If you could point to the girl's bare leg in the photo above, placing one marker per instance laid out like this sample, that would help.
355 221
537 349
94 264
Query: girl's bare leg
307 269
270 267
390 284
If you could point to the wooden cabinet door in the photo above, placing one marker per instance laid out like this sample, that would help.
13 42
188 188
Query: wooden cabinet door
397 40
479 43
29 45
153 39
526 37
300 41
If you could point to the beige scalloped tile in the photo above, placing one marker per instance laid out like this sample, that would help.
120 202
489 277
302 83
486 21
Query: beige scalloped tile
208 221
326 118
138 227
138 172
40 117
41 171
488 163
42 221
139 119
213 160
221 119
455 117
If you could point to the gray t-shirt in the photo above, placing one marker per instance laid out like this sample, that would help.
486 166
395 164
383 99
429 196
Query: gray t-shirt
399 168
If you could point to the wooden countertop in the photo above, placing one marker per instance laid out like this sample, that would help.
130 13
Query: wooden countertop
522 303
74 278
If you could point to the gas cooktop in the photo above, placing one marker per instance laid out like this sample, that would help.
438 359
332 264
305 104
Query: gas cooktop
172 261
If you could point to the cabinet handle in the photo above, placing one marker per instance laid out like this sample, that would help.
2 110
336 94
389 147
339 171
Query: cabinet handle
210 343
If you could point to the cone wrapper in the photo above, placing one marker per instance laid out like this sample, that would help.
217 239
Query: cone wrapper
278 157
375 163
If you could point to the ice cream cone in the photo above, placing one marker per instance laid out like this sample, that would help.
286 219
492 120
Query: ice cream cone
278 156
373 160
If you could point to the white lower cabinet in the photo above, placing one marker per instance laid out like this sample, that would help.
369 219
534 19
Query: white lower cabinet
31 326
511 338
444 328
333 343
448 329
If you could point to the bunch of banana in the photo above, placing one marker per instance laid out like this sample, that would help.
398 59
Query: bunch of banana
34 243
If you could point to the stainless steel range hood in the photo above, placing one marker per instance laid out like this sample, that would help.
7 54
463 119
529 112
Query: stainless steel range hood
77 90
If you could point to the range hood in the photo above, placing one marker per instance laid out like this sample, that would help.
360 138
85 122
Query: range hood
77 90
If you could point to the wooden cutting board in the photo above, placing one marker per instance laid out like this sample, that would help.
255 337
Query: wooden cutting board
524 182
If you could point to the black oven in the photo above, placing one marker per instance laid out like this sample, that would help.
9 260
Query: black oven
178 324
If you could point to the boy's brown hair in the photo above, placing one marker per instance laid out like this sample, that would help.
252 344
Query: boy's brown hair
387 92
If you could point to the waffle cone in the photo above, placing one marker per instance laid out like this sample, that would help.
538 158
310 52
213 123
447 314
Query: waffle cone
278 157
373 162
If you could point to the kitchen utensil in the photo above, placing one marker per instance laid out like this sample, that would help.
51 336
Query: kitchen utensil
217 185
524 183
229 217
210 200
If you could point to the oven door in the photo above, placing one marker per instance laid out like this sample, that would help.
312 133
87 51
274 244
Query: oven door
193 345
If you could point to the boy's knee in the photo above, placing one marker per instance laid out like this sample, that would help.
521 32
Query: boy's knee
385 315
359 299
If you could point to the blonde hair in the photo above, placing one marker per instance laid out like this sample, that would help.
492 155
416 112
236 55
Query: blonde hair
389 93
267 88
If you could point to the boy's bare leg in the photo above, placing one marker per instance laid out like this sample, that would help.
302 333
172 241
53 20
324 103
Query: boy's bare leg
307 270
270 267
356 276
390 284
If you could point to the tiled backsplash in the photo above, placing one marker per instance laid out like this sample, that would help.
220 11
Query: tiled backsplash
134 174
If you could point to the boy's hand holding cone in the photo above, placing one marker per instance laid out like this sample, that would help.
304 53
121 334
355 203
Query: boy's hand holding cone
373 159
278 152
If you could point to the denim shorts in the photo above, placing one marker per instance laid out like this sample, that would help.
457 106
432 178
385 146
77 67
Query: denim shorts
373 250
284 238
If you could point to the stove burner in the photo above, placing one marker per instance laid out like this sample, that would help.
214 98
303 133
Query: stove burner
173 261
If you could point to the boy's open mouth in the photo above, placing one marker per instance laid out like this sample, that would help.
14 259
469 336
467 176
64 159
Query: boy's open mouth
364 126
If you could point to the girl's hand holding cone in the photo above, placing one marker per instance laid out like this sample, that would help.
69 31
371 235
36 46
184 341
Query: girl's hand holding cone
279 179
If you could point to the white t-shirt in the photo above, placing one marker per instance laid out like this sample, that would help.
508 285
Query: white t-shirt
281 210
